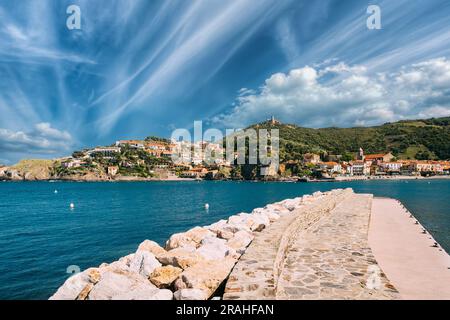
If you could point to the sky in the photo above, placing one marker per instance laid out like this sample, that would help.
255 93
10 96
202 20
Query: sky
138 68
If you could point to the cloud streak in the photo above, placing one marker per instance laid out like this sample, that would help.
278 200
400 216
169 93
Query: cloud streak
312 97
142 67
43 139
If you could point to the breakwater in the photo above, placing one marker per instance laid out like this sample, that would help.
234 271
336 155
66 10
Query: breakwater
321 253
192 265
328 245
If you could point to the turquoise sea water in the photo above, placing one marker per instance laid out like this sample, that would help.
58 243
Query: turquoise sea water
40 236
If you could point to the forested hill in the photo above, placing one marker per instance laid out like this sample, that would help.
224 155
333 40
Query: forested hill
412 139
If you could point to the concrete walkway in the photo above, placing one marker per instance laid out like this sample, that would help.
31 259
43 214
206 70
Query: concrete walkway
406 255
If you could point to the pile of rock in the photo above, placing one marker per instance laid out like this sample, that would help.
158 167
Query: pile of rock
192 265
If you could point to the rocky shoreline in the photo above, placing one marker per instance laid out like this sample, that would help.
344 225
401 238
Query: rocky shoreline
192 265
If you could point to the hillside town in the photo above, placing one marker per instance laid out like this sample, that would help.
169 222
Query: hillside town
152 159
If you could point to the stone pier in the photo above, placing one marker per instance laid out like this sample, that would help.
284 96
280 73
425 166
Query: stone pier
331 245
319 252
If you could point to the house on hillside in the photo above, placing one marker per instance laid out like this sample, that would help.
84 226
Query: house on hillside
391 167
113 170
331 167
379 157
134 144
359 168
105 152
74 163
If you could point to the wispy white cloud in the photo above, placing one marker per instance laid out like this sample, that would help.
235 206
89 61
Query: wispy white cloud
309 96
139 65
207 40
43 139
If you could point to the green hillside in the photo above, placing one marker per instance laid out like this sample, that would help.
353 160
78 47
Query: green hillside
415 139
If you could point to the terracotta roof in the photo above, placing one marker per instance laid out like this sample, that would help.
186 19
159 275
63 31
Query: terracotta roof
375 156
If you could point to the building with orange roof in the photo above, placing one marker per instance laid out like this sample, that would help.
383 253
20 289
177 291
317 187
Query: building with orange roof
379 157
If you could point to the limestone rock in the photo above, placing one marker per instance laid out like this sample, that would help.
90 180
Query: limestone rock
190 294
258 221
317 194
254 222
120 265
225 234
192 237
240 241
94 275
163 277
213 248
239 219
127 259
235 227
85 292
152 247
289 204
180 257
217 226
179 284
274 216
72 287
144 262
277 208
115 284
207 275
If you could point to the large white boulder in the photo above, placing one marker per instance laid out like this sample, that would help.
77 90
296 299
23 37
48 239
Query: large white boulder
235 227
217 226
317 194
206 275
258 221
213 249
277 208
246 221
115 283
240 241
144 263
152 247
192 237
72 287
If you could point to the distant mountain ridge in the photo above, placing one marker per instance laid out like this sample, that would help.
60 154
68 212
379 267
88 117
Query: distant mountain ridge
426 139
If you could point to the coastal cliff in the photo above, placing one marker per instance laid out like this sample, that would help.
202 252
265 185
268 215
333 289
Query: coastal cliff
28 170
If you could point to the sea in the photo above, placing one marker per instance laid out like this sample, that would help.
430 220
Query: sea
43 239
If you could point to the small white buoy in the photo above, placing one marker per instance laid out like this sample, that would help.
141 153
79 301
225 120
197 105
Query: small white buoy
56 191
72 206
206 206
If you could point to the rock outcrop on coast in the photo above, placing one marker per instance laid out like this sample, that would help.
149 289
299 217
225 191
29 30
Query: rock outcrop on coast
29 170
191 266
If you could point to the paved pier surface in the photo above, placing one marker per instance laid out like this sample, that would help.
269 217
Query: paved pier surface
320 252
416 268
333 260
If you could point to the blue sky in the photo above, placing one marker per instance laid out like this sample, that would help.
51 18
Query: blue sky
140 67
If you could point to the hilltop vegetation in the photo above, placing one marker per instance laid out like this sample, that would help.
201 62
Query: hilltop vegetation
415 139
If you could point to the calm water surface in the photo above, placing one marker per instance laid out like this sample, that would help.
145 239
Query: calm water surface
40 236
